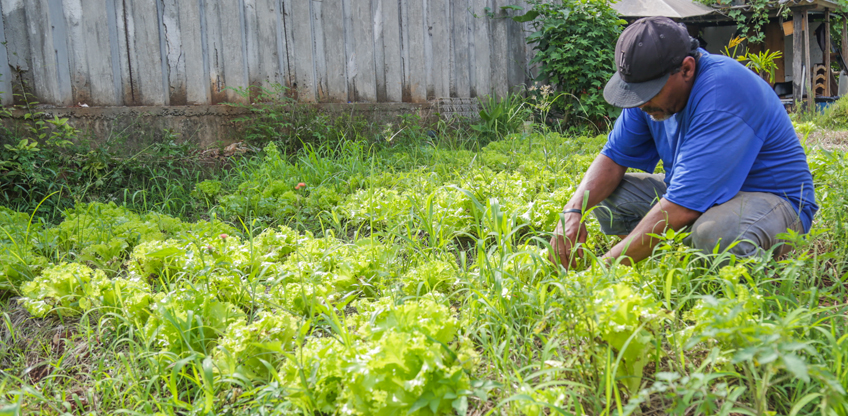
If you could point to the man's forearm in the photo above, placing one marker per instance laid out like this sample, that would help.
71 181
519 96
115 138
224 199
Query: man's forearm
602 177
639 245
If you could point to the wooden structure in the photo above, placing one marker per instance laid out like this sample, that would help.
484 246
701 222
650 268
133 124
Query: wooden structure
801 64
201 52
806 73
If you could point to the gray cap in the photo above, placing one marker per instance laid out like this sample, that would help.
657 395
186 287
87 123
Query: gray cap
645 54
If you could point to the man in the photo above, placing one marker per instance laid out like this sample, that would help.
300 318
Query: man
734 168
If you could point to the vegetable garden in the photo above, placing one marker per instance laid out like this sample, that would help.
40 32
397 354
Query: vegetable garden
390 279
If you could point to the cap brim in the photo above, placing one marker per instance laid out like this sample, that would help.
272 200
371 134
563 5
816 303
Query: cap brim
628 95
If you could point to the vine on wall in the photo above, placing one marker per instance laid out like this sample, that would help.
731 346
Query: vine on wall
751 19
754 15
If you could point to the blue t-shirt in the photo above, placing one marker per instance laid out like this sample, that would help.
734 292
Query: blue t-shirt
733 135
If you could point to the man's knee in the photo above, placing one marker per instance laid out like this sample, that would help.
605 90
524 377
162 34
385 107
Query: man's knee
629 202
712 236
745 226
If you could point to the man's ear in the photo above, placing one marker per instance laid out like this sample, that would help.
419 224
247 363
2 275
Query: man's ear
688 68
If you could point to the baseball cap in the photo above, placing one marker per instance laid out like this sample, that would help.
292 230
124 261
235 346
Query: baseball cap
645 54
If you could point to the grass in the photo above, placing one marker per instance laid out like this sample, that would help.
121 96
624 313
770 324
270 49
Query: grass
832 117
424 262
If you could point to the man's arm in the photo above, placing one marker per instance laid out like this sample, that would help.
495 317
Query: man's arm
602 177
638 245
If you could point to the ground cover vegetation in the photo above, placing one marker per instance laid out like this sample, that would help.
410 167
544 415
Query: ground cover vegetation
346 267
402 269
41 157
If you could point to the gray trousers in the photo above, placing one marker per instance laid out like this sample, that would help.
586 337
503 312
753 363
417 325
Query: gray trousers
752 219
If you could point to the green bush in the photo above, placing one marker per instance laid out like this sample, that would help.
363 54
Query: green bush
836 115
750 21
575 46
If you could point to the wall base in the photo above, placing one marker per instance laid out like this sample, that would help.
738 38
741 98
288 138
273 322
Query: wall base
204 125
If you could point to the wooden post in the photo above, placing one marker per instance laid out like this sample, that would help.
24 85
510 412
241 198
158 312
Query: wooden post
827 52
844 37
844 41
811 95
797 55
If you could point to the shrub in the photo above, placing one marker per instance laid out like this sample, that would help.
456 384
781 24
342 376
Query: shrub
575 44
836 115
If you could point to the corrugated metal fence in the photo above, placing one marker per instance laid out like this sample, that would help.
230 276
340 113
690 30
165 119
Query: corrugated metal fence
177 52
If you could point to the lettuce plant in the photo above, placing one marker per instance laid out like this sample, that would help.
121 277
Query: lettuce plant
129 297
60 288
189 320
376 207
325 270
439 276
105 232
402 359
157 258
250 349
69 289
628 321
276 244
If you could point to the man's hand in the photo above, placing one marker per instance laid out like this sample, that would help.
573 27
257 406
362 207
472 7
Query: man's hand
570 231
598 183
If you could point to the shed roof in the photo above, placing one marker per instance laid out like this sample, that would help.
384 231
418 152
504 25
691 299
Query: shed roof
818 3
683 9
667 8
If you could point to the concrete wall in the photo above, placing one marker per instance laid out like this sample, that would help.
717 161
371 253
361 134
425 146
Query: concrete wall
200 52
204 125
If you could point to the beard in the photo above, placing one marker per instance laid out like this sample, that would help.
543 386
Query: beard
658 114
662 117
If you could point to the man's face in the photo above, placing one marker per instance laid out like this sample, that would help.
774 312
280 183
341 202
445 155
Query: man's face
657 108
673 96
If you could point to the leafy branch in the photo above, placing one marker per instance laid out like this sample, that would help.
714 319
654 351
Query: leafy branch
750 19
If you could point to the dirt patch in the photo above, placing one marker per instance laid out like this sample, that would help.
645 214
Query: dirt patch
36 345
828 140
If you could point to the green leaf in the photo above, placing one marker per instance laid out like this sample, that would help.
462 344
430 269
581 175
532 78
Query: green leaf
460 405
767 358
534 37
512 7
10 409
422 401
483 387
803 402
796 366
434 404
165 252
526 17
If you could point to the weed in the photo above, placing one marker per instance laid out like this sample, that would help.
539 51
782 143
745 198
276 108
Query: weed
501 117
